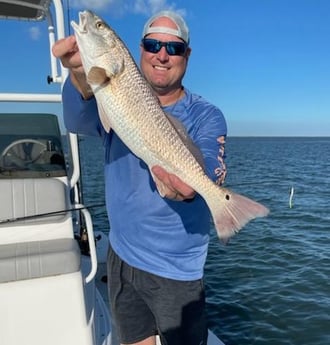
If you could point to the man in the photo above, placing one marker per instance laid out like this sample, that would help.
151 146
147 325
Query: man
158 245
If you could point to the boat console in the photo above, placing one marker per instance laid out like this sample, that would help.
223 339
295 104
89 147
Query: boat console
47 286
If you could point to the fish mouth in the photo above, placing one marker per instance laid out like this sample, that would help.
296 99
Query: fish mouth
81 28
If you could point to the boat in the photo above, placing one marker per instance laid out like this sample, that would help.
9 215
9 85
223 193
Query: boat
52 260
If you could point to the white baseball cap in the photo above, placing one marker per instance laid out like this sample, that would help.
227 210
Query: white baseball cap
182 30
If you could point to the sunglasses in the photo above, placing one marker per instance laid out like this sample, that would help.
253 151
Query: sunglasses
173 48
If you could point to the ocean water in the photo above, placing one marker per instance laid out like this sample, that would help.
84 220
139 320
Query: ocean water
270 284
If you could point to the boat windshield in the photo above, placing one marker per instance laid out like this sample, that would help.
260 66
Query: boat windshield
30 146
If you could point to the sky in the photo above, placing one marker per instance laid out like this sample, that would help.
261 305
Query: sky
264 63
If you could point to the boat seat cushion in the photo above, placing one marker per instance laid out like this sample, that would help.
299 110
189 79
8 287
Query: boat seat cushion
29 260
21 198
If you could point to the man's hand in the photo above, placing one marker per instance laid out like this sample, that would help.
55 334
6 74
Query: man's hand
170 186
67 51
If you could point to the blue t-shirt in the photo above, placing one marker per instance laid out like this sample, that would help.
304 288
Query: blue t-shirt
164 237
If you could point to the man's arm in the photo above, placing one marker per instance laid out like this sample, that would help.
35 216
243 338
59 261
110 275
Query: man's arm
67 51
79 105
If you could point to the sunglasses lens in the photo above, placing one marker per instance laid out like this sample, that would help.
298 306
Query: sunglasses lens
151 46
175 48
172 48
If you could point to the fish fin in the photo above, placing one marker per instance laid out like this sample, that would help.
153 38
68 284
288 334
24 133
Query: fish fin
97 76
234 213
103 117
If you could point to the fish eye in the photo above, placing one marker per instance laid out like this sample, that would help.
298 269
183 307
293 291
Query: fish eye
100 25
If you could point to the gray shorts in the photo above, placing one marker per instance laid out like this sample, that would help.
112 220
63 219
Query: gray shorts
144 304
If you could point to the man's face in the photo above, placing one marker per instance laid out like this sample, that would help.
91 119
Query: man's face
164 72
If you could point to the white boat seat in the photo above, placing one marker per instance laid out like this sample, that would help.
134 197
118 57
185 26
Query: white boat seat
26 197
23 198
42 291
30 260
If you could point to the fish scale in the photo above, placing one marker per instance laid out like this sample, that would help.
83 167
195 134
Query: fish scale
127 104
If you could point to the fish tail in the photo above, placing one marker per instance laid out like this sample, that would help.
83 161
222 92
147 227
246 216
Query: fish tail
231 215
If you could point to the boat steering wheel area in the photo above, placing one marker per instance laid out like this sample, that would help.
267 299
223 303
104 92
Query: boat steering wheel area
22 152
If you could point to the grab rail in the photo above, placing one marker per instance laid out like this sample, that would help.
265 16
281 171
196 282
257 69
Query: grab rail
91 242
